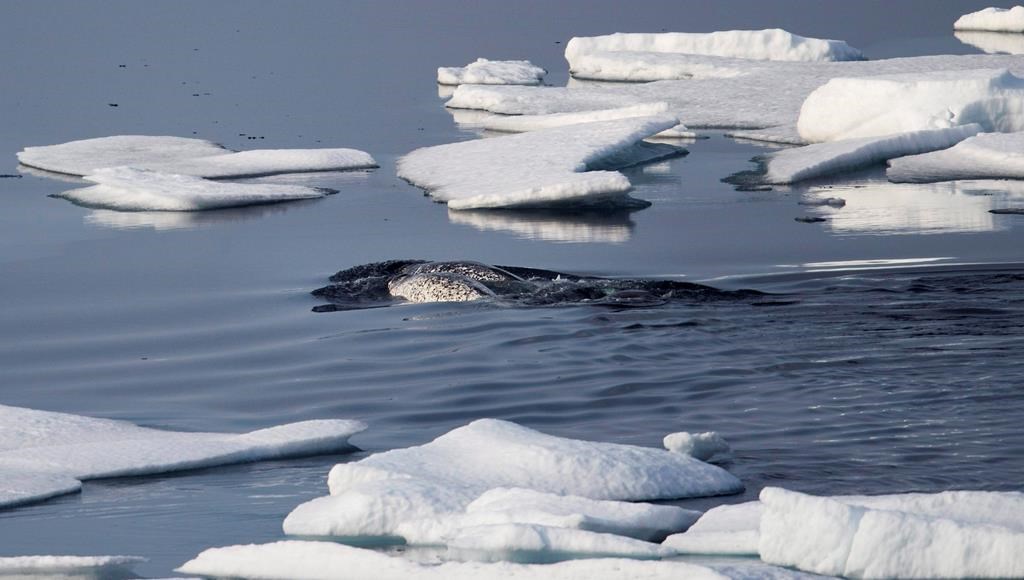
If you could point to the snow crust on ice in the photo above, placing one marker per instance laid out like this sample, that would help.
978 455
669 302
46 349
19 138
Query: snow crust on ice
196 157
701 446
766 94
769 44
519 542
820 159
98 567
993 19
128 189
374 496
849 108
541 168
522 123
985 156
492 72
43 454
727 530
323 561
991 42
944 535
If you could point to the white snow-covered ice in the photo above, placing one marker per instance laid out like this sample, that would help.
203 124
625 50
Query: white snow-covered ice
769 44
196 157
820 159
43 454
128 189
522 123
69 567
535 542
374 496
850 108
543 168
492 72
701 446
323 561
944 535
993 19
985 156
726 530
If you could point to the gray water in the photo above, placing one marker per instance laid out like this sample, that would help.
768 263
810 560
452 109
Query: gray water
886 361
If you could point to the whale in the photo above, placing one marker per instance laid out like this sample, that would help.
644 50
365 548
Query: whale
392 282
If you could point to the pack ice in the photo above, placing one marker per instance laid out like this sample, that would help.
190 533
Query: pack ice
522 123
543 168
69 567
993 19
377 495
492 72
985 156
44 454
179 155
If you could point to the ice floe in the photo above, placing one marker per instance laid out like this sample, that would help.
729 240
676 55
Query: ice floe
129 189
763 95
726 530
324 560
985 156
944 535
196 157
68 567
820 159
993 19
43 454
991 42
539 543
374 496
849 108
522 123
492 72
543 168
770 44
701 446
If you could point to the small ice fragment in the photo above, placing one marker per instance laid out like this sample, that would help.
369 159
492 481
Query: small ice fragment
701 446
492 72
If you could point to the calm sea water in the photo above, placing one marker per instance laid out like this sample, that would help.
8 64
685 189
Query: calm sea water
888 361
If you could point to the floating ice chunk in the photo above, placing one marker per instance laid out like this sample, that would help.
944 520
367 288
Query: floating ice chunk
849 108
375 495
68 567
521 123
985 156
766 94
991 42
727 530
652 66
541 168
637 520
701 446
770 44
492 72
195 157
945 535
324 560
128 189
43 454
533 542
820 159
993 19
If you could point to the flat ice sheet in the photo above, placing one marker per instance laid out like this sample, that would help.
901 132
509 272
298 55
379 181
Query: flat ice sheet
373 497
522 123
726 530
55 567
993 19
534 542
324 560
821 159
985 156
43 454
769 44
492 72
541 168
128 189
196 157
759 95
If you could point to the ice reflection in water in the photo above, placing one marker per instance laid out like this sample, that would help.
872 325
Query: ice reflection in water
992 42
600 227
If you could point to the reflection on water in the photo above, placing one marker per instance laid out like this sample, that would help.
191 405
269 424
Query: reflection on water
613 227
26 170
469 118
992 42
935 208
182 220
445 91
